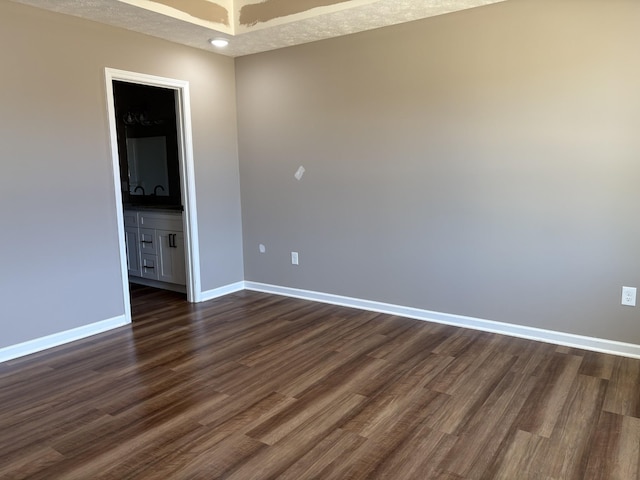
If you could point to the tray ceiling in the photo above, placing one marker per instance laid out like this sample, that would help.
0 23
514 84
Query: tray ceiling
252 26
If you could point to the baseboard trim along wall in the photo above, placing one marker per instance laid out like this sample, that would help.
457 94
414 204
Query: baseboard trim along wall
38 344
520 331
549 336
220 292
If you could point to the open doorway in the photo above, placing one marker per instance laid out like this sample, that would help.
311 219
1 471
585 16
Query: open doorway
154 182
147 131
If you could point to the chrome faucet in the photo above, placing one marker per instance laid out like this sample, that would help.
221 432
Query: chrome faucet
155 189
139 187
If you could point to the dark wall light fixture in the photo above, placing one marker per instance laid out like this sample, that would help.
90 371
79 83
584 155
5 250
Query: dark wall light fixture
219 42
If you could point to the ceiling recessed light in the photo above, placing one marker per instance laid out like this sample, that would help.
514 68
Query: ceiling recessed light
219 42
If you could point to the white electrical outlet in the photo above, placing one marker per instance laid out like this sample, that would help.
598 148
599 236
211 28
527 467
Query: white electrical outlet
294 258
629 296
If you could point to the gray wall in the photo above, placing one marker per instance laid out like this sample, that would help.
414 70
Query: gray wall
482 163
59 263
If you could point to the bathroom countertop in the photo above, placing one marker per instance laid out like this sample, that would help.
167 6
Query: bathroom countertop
155 208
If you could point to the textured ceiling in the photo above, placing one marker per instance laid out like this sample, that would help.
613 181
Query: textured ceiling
339 18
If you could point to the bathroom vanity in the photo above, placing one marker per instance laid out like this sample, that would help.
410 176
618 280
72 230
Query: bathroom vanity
155 247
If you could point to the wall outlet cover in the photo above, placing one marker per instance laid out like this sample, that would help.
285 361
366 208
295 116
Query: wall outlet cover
629 296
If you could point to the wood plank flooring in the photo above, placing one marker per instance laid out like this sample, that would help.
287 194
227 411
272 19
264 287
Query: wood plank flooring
256 386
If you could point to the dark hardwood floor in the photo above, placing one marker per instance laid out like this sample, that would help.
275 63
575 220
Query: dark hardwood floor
256 386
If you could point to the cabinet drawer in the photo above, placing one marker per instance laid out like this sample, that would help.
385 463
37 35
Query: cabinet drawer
149 266
160 221
148 241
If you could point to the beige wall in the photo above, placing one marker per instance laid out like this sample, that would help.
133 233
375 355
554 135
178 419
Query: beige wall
59 264
483 163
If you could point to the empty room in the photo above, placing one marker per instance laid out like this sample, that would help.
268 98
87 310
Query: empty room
320 239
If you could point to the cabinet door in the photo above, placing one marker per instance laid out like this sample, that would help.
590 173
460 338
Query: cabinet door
171 266
131 241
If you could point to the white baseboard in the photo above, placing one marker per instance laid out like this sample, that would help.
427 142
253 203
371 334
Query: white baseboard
219 292
56 339
549 336
521 331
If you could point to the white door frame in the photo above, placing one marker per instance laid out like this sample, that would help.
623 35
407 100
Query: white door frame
187 177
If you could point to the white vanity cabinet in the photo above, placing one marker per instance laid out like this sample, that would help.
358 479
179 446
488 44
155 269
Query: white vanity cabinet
155 246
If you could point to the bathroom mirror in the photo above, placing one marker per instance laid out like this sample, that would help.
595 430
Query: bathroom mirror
148 171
